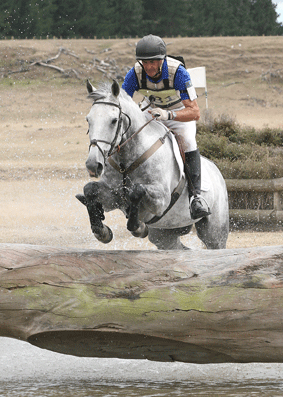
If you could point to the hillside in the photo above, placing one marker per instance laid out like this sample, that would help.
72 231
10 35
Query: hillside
244 74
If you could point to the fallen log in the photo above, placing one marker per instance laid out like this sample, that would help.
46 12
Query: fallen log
46 65
191 306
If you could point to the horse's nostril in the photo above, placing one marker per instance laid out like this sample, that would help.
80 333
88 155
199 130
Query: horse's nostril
99 169
94 169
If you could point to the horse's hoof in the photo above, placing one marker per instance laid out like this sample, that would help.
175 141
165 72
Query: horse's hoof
105 235
141 231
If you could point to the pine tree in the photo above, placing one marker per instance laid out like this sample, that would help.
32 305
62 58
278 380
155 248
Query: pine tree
166 17
68 13
44 12
264 17
17 19
127 17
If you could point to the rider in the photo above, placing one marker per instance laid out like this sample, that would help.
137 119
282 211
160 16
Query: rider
168 89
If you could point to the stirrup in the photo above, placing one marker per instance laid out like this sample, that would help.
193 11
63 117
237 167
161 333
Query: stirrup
199 210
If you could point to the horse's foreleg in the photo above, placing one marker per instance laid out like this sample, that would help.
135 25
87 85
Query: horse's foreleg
134 225
96 212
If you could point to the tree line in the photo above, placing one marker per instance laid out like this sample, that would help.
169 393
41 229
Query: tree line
131 18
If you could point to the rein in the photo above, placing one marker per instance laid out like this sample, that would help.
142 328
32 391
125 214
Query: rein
131 137
94 142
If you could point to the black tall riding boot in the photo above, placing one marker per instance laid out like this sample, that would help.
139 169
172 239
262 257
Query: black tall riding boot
198 206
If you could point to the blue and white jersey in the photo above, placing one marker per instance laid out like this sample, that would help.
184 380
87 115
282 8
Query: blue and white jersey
173 86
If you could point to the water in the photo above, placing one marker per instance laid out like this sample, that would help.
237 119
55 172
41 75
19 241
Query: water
28 371
84 388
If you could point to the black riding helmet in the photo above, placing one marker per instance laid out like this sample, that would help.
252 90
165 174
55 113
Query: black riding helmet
150 47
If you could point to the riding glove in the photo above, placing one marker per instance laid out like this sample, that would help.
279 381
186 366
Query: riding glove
161 114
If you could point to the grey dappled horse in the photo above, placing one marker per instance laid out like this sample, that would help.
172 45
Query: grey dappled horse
140 174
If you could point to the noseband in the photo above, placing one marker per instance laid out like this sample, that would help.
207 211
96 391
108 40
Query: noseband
94 142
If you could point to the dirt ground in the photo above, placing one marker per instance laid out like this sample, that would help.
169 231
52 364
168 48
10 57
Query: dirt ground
43 129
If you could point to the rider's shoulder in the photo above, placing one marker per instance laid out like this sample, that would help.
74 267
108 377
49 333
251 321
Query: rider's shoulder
130 76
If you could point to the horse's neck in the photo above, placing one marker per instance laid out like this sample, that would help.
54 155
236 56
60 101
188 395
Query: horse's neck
140 136
139 122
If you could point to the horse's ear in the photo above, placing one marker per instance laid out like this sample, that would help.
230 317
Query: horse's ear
115 88
89 87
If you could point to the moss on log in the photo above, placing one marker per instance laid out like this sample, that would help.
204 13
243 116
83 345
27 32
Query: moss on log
191 306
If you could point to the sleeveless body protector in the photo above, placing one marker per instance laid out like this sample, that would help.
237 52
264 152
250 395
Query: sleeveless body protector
164 93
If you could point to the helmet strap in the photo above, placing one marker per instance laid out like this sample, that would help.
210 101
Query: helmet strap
159 71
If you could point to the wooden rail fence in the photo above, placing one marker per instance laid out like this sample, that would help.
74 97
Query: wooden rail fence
256 200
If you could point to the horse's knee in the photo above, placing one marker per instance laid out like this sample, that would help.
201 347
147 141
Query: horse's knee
95 211
90 190
137 193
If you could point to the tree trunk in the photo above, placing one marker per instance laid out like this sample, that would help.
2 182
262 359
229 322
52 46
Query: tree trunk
191 306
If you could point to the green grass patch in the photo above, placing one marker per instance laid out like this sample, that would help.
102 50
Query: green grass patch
241 152
26 82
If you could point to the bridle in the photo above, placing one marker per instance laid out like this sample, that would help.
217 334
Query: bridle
112 144
113 147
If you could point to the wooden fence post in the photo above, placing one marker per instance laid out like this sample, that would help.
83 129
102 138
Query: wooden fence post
274 186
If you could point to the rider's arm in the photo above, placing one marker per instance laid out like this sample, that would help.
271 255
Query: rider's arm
130 84
188 95
189 113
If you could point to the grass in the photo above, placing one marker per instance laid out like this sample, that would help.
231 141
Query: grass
26 82
241 152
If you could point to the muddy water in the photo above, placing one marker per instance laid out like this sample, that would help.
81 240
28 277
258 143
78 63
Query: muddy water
29 371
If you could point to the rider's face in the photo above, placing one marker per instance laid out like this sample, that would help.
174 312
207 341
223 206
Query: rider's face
151 67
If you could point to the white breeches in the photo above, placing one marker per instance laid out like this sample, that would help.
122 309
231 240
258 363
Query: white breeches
185 130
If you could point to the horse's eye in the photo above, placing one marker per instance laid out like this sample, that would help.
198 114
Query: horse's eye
86 119
114 121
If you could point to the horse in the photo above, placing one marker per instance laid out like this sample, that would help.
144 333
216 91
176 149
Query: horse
138 170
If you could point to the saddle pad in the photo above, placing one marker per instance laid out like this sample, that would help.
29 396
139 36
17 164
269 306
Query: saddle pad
205 179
